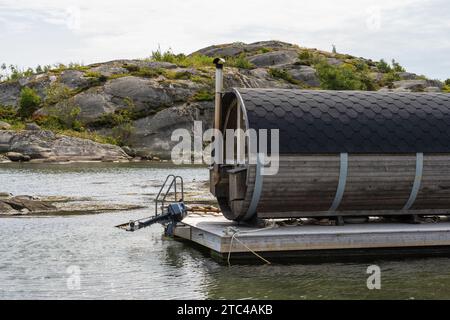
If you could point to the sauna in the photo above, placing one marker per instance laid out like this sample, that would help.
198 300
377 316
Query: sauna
341 153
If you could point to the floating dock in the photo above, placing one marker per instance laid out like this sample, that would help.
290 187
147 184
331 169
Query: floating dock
225 238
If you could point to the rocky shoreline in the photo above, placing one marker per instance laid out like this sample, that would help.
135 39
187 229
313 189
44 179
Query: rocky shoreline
196 193
25 205
39 146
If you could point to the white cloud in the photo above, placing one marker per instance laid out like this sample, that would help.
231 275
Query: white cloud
412 31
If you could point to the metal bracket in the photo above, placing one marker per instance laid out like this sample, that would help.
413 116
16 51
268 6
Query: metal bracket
257 189
417 181
342 181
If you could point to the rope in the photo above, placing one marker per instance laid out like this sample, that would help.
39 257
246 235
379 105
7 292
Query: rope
234 236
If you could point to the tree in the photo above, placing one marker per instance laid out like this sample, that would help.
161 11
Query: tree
383 66
397 67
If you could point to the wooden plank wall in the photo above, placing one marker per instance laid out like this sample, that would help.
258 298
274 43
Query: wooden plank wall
375 183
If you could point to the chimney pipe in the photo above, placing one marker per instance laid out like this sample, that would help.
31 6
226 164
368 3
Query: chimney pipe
217 112
219 90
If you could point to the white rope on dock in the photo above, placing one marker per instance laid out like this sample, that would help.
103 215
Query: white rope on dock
234 236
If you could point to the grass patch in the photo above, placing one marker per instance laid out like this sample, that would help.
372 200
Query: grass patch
182 60
60 67
203 95
198 60
8 114
240 62
56 93
264 50
284 75
148 72
118 75
202 80
306 58
89 135
95 78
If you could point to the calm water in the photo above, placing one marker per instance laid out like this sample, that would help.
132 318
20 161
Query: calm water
37 253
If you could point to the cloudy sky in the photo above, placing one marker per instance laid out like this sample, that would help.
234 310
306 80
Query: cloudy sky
414 32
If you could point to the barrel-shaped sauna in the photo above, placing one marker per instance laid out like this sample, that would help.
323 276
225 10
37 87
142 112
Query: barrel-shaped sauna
341 153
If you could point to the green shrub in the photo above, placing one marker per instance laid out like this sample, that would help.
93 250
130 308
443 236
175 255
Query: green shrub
12 72
284 75
446 88
264 50
198 60
360 65
240 62
397 67
62 112
182 75
118 117
131 67
95 78
29 102
121 122
182 60
343 77
110 120
447 82
56 93
118 75
51 123
306 58
203 95
8 114
202 79
122 133
60 67
146 72
383 66
389 78
66 113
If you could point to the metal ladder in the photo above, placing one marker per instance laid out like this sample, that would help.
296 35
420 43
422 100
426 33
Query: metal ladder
171 181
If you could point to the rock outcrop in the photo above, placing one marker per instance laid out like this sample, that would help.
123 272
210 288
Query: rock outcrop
57 205
49 146
4 125
417 85
153 98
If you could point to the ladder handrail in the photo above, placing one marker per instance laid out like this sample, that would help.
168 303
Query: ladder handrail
173 183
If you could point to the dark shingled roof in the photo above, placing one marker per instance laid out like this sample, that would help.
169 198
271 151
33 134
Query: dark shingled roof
312 121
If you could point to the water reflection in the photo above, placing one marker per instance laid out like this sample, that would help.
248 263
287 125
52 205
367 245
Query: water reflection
36 252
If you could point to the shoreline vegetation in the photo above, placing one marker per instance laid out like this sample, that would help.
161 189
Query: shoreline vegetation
125 110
